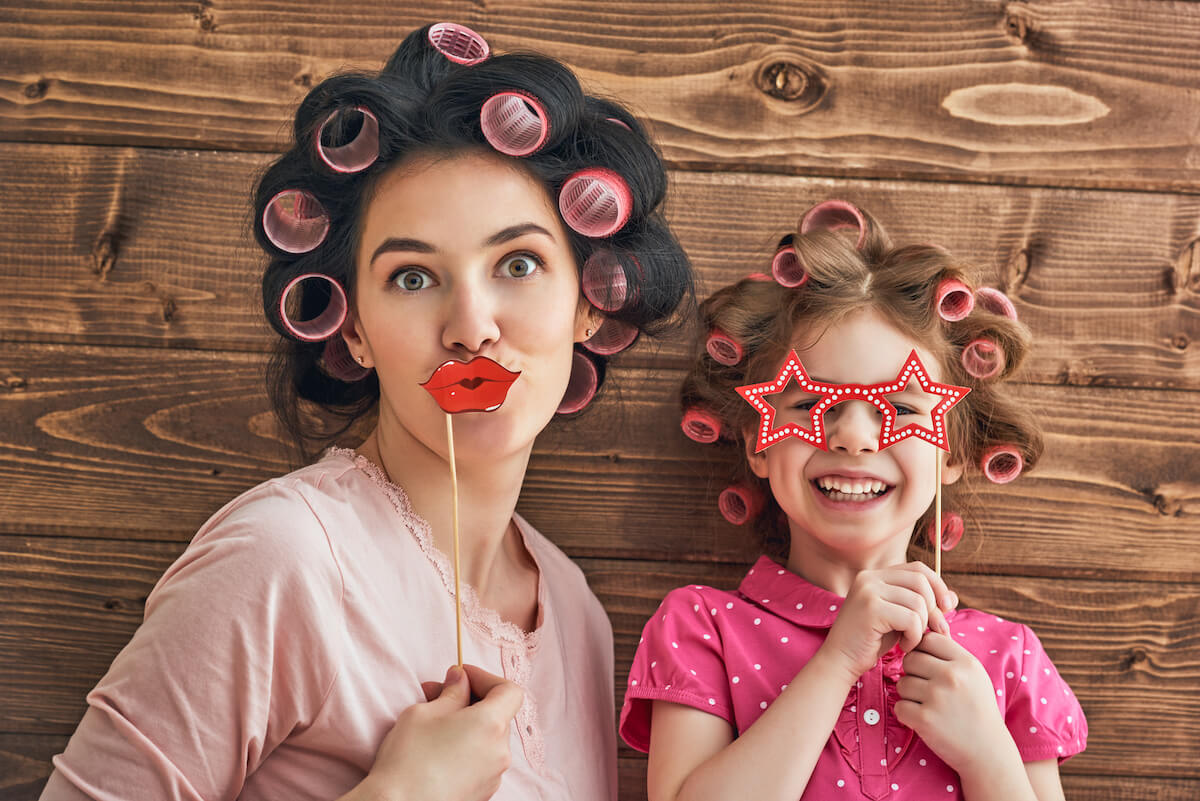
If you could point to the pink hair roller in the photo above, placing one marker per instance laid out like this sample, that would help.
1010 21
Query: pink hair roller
582 385
701 425
595 202
759 277
723 348
834 215
952 531
295 221
982 358
603 281
357 154
954 300
996 302
787 269
340 364
613 336
325 324
458 43
739 504
514 123
615 121
1001 464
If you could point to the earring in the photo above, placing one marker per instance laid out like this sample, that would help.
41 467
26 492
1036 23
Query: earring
360 359
589 333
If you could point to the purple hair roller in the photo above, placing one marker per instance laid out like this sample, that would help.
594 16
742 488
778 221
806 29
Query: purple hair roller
833 215
787 269
514 123
739 504
595 202
603 281
458 43
325 324
954 300
613 336
1001 464
357 154
295 221
996 302
982 358
723 348
701 425
952 530
582 385
340 364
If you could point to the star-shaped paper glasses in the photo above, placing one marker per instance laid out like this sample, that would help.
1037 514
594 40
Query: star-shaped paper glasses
833 394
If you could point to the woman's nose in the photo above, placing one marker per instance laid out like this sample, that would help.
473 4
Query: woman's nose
471 318
853 427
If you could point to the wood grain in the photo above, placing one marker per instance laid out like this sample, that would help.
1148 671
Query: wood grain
147 444
1100 94
129 246
1132 657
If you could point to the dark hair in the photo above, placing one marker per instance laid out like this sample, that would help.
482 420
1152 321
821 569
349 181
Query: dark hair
427 104
902 284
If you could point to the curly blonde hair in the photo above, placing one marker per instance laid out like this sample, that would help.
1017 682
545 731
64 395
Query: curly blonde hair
902 284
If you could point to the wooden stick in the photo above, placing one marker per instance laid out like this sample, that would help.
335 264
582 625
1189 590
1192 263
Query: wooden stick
937 515
454 519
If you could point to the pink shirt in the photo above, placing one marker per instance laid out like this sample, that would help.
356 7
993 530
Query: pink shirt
280 648
731 653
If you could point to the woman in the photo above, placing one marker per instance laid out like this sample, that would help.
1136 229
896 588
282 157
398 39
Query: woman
299 647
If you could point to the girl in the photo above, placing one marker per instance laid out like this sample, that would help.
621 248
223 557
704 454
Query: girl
426 236
841 670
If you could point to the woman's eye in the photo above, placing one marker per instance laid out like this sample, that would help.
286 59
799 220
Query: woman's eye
412 280
902 409
521 265
805 405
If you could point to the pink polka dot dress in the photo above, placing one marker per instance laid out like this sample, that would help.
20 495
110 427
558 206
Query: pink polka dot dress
731 653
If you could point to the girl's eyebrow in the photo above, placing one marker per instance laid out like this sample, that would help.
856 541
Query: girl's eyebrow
410 245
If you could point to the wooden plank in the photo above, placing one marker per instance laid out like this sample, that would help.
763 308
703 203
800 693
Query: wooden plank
1132 656
149 247
1079 93
146 444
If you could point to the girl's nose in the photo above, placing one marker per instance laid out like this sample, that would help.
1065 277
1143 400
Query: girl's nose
471 319
853 427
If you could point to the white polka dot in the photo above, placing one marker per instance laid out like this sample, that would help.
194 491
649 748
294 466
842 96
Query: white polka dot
992 651
897 749
1015 637
949 788
1033 729
979 628
783 639
841 782
674 645
654 664
833 607
633 682
1060 749
708 636
999 692
799 606
1009 674
921 763
729 605
692 672
757 666
883 762
766 600
695 607
1043 700
854 707
780 573
1028 652
962 634
736 679
762 704
1046 671
895 787
1070 719
757 620
782 687
1024 678
712 702
713 611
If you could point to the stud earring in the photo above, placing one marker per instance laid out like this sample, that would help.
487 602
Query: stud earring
589 333
360 359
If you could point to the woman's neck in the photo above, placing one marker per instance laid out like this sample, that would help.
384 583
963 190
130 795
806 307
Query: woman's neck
490 547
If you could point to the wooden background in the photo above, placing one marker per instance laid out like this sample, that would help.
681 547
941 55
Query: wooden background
1057 144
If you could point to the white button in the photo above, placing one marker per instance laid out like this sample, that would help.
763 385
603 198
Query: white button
871 717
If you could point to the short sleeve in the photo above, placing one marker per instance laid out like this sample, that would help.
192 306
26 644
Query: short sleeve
232 656
1042 712
679 659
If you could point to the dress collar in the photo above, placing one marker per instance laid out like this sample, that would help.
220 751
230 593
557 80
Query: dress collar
784 594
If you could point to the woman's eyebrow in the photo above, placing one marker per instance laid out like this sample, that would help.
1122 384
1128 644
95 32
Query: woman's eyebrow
404 244
514 231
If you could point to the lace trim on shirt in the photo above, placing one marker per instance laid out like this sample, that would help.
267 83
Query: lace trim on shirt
483 619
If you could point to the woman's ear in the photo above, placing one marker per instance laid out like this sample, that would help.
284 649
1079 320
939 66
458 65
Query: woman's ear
587 319
757 461
356 342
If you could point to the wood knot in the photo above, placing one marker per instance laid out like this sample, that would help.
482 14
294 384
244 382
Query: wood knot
169 307
303 80
1136 656
204 16
1185 272
37 90
14 383
114 604
1019 23
104 254
1180 342
802 85
1016 271
1167 507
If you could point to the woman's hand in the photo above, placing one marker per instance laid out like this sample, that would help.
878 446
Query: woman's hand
885 606
949 701
447 749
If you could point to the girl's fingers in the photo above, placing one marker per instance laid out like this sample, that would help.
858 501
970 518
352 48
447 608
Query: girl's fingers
920 664
919 583
947 599
940 647
904 611
913 688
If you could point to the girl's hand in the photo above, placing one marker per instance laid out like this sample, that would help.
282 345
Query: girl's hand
883 606
949 701
448 748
